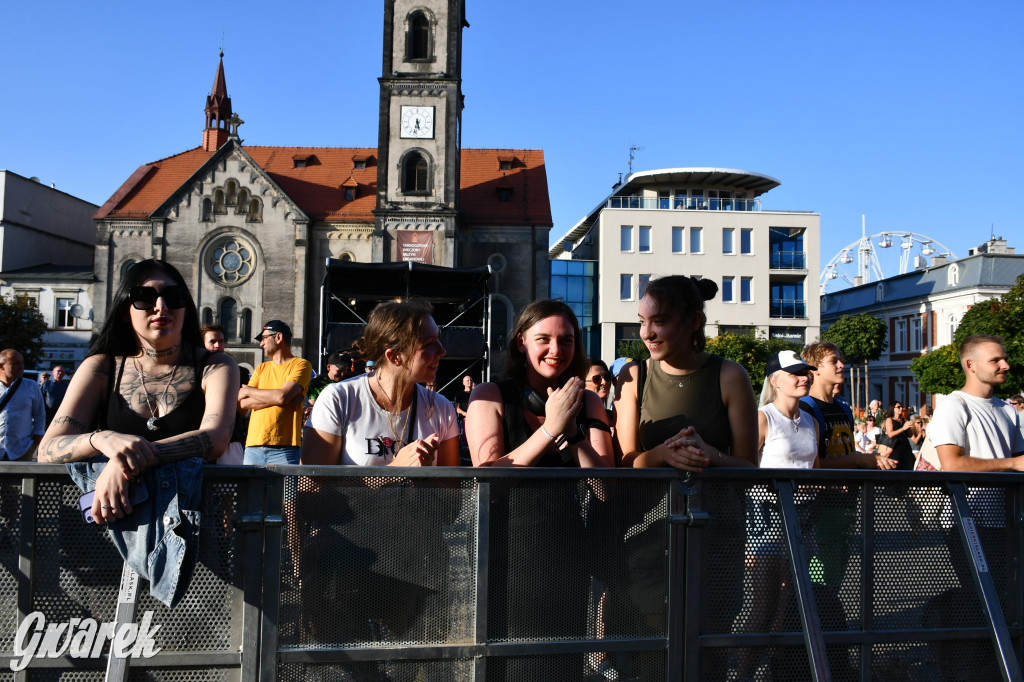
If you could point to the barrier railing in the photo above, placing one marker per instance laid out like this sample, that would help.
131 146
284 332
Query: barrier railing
347 573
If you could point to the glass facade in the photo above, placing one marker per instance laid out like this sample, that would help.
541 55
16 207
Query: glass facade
575 283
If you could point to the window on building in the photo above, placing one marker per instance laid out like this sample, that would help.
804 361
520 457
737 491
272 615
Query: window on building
350 193
664 198
728 246
243 201
419 36
644 237
626 238
415 174
641 288
229 318
677 240
575 283
505 164
231 193
27 297
787 248
951 324
359 164
207 215
696 240
916 340
727 291
207 316
680 199
746 241
625 287
746 289
255 213
63 318
504 194
901 336
696 199
246 332
218 202
953 275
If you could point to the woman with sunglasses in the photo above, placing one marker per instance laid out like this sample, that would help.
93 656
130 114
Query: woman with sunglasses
898 429
148 394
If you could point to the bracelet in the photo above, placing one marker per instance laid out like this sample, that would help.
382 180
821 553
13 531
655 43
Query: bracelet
90 440
546 432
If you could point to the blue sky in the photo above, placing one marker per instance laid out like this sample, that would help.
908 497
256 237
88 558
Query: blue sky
910 113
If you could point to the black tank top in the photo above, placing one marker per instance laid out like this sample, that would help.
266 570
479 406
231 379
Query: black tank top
185 417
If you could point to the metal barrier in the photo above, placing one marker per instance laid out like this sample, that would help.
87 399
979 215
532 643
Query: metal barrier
343 573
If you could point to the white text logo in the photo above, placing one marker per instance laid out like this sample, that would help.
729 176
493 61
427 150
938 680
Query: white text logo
82 638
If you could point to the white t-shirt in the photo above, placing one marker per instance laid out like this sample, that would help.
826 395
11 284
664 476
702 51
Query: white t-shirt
989 431
369 432
789 444
865 441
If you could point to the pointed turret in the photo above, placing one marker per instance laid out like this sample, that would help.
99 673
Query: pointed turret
218 111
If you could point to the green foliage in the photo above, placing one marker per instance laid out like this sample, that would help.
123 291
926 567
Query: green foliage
1003 316
751 352
939 370
21 328
859 337
634 348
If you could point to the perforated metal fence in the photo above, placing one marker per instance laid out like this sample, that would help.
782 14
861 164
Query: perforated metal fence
342 573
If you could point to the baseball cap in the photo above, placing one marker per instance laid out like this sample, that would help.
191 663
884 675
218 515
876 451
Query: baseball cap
275 327
787 361
370 364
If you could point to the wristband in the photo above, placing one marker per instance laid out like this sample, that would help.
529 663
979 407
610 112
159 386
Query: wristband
546 432
90 440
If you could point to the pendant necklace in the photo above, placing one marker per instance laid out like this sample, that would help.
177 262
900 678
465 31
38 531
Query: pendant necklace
393 419
151 422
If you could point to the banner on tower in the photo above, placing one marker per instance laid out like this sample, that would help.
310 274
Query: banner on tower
415 246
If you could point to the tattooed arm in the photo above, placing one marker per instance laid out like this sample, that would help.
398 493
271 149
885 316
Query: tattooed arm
220 388
67 438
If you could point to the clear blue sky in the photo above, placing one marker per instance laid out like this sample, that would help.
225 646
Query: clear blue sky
910 113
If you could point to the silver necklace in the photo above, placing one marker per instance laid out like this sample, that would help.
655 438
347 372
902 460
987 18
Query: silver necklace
151 422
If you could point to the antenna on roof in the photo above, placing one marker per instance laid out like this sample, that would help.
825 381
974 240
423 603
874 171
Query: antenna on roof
632 155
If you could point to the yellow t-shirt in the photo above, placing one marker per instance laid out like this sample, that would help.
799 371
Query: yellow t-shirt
278 426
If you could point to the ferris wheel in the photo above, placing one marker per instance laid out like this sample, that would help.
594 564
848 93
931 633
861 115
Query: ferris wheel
861 261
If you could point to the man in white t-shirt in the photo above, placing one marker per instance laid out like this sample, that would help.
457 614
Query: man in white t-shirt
972 430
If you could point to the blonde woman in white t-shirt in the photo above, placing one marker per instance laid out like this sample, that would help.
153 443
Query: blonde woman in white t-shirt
787 439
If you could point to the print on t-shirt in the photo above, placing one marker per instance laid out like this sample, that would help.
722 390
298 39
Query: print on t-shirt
381 446
836 433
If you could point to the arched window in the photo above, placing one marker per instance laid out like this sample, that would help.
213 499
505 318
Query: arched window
952 323
228 318
207 211
879 293
246 324
953 275
415 174
231 188
243 201
207 316
418 39
218 202
255 213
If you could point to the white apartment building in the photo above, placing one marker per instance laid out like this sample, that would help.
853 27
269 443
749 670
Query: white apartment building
922 310
707 222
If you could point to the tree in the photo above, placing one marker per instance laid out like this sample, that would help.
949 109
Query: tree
633 348
861 338
939 370
21 328
751 352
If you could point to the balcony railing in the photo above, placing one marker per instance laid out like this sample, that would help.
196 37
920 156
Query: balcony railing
685 203
789 260
788 307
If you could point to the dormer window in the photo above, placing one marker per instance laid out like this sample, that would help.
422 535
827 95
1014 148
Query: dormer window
359 165
506 161
304 160
350 193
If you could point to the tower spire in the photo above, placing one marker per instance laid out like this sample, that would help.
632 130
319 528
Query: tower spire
218 110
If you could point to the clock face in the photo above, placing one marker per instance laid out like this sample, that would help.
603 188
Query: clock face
418 122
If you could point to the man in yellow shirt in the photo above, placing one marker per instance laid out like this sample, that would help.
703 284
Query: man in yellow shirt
276 395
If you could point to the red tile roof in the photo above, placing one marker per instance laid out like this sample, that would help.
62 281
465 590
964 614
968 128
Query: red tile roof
318 188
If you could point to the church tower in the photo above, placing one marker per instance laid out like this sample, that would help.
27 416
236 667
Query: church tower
218 111
419 146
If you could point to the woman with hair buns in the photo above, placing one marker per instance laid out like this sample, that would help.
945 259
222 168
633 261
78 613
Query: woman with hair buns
384 417
693 409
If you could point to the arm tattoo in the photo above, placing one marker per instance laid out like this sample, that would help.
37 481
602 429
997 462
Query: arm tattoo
61 449
72 422
209 420
198 445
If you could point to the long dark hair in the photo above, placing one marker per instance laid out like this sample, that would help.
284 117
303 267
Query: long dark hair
684 296
117 337
515 366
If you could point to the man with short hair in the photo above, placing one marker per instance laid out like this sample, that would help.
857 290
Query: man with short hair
837 447
275 394
22 411
53 392
972 430
1017 402
338 364
213 337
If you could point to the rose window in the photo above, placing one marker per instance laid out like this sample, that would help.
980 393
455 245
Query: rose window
232 261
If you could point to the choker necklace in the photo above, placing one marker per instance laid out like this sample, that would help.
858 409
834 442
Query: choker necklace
151 422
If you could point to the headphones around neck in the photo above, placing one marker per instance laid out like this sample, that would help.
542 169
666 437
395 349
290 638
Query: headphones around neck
534 402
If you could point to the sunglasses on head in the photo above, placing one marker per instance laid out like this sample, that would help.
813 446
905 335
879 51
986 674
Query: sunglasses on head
144 298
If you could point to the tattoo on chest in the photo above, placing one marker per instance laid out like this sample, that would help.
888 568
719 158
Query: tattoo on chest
160 392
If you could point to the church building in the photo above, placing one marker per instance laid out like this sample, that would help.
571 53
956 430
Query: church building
251 227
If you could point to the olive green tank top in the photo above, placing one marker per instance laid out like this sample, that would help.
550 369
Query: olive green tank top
670 403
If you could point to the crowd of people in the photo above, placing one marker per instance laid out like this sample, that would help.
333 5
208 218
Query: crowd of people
158 389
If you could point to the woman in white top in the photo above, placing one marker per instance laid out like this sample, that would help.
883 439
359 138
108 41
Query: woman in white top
385 418
787 439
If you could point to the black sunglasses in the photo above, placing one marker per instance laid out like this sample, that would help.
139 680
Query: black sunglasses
144 298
